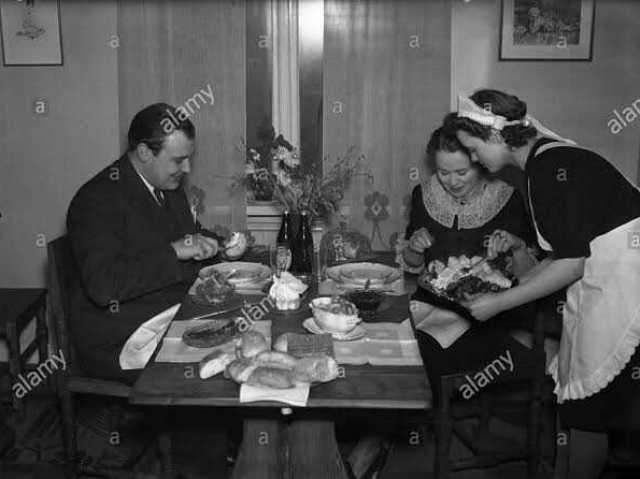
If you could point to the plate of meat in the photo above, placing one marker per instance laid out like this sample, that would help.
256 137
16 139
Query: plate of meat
448 285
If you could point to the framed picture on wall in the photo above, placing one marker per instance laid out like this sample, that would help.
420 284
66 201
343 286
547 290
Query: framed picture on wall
30 32
547 30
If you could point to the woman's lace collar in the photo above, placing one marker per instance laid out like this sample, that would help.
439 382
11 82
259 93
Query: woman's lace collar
481 208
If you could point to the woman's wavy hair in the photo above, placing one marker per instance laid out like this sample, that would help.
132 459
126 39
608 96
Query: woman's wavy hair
500 103
443 139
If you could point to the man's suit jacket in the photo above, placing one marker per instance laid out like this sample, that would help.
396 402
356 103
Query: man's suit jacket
128 270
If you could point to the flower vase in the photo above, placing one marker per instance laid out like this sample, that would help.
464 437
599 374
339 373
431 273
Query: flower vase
262 191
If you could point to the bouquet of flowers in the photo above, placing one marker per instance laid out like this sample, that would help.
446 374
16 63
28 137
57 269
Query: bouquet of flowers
266 164
274 171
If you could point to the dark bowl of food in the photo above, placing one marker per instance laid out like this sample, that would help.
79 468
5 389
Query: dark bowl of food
366 300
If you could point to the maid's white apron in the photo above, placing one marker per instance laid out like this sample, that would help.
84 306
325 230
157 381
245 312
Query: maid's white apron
601 316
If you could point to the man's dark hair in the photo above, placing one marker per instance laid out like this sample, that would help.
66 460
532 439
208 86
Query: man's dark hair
154 123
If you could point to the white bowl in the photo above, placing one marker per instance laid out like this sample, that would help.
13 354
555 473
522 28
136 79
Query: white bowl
332 322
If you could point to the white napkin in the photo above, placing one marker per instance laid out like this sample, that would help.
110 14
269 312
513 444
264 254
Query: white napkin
138 349
386 344
445 328
297 396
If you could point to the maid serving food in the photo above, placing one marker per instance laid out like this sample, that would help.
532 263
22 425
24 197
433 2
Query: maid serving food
587 217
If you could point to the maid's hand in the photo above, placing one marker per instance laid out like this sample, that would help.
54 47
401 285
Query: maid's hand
485 306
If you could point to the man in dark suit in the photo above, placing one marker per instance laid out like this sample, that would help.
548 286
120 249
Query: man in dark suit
134 239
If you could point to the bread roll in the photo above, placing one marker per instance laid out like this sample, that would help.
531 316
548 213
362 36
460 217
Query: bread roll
315 369
276 359
215 363
269 377
252 343
241 369
281 343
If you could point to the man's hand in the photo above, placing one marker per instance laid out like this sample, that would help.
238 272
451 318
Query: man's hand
196 247
420 240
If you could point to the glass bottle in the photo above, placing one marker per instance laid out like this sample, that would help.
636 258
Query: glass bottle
303 252
284 242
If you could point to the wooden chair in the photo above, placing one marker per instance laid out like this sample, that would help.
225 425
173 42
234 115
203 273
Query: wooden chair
18 307
72 381
451 411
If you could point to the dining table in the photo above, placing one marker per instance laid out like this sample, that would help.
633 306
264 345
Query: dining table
279 440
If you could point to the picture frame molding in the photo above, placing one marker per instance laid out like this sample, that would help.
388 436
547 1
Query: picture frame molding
502 58
3 44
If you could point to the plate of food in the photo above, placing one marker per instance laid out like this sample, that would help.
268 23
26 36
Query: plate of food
448 285
364 275
240 274
214 290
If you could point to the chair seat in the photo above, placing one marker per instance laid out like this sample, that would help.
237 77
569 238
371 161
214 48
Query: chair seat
103 387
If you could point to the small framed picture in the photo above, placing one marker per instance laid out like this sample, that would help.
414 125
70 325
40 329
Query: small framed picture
547 30
30 32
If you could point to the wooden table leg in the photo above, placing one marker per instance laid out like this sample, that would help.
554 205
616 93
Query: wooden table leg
262 453
302 449
314 452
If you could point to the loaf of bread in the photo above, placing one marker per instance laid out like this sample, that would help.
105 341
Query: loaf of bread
215 363
302 345
270 377
275 369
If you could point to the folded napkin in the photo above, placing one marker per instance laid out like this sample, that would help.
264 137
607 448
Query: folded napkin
138 349
385 344
444 326
297 396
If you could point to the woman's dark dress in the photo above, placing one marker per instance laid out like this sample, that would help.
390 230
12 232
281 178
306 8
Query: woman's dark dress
482 343
577 196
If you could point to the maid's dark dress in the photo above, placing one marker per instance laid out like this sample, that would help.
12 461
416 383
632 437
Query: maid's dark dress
583 207
463 229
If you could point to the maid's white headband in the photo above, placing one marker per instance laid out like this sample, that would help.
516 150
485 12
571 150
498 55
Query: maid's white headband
467 108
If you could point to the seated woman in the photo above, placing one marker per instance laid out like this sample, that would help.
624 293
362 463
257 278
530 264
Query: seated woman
460 210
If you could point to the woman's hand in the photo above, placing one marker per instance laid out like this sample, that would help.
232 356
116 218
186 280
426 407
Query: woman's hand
485 306
420 240
502 241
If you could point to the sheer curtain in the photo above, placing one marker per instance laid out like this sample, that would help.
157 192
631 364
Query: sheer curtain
175 51
386 87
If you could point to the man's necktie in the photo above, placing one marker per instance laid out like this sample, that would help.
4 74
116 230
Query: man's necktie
160 198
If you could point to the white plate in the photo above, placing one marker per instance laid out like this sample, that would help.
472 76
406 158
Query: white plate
357 274
356 333
246 275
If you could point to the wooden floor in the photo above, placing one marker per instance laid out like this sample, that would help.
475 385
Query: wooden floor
38 453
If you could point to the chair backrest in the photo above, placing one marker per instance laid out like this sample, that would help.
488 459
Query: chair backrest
61 271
